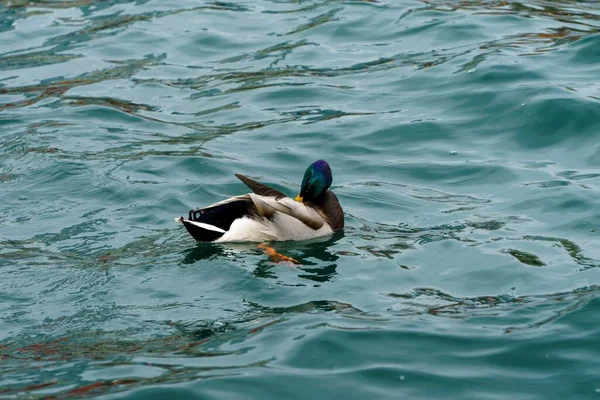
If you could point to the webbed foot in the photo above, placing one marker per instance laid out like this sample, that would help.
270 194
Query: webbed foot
275 256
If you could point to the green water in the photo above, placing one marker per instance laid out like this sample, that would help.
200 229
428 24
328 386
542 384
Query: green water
464 143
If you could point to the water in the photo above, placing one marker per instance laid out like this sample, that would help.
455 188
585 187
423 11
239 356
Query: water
464 142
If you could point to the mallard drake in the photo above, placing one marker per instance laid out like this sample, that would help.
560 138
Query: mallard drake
267 214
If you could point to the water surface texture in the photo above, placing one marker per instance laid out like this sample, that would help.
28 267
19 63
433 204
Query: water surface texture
464 138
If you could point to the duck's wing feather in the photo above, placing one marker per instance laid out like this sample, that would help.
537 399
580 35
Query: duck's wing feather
265 205
223 213
259 188
269 205
268 200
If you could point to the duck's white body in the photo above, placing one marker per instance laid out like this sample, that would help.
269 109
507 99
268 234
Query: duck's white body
269 215
280 219
281 227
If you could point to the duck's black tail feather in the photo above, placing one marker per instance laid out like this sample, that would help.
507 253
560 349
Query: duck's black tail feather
209 224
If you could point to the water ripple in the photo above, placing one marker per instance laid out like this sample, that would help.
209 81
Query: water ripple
463 136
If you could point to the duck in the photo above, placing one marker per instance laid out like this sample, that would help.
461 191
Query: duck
266 214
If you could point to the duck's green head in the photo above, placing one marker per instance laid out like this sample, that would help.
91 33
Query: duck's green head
316 181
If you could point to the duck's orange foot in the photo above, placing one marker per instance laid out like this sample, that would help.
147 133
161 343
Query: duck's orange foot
275 256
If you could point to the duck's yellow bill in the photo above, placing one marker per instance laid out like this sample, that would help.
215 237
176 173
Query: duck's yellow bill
299 198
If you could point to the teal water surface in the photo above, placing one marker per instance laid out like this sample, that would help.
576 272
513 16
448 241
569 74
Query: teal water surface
464 138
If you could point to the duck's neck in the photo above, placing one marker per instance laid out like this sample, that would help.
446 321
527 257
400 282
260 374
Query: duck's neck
334 214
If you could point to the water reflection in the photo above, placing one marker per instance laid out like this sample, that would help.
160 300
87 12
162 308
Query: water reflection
316 257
